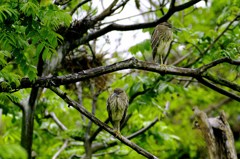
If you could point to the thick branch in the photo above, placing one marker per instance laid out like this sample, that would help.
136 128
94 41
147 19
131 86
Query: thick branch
127 64
218 89
98 71
82 110
222 82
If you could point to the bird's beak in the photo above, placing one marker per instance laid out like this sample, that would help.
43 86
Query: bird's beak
114 94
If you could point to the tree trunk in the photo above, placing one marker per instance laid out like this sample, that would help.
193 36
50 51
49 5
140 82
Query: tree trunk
27 129
217 134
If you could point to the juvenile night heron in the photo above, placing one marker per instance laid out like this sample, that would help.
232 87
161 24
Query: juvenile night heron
161 39
117 105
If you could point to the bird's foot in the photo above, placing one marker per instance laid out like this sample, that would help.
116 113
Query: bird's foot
163 65
118 133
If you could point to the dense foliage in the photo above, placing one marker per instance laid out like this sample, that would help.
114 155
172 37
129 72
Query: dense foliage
44 39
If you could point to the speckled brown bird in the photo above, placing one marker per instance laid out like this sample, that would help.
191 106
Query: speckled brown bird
161 39
117 105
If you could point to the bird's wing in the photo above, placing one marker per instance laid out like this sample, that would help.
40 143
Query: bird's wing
155 41
124 113
109 110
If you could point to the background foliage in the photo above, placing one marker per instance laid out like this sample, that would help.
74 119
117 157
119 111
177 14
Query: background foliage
41 32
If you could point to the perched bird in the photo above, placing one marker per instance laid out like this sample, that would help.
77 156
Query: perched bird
117 105
161 39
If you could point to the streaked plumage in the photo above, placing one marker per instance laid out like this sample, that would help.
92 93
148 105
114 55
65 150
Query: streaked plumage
117 105
161 39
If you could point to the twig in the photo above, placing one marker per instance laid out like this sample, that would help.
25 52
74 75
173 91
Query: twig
61 149
79 5
100 146
204 68
141 131
55 119
21 106
108 11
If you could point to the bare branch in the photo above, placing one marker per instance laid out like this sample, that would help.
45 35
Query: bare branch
79 5
20 105
65 144
100 146
118 27
131 63
55 119
108 11
141 131
82 110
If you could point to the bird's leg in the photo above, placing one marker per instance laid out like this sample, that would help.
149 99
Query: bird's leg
117 129
161 60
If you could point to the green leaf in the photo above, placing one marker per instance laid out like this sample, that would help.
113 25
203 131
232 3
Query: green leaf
7 12
29 8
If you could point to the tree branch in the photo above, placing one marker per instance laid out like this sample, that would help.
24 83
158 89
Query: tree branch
79 5
106 12
55 119
65 144
220 90
222 82
131 63
82 110
218 61
118 27
99 146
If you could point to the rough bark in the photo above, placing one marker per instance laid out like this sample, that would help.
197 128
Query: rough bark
217 134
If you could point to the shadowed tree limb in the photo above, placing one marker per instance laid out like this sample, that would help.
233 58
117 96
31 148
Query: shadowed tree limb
82 110
223 82
218 89
131 63
100 146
